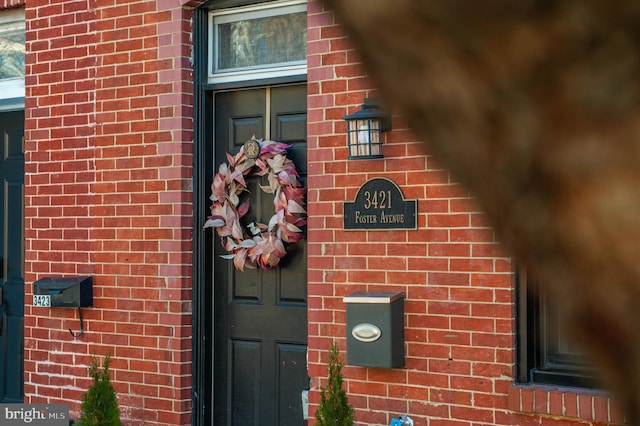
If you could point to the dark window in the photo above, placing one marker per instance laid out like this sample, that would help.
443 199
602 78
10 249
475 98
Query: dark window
547 354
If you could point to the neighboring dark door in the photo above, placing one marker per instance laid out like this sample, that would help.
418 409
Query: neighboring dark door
260 318
11 255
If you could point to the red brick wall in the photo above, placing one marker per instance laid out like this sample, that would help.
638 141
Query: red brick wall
458 283
108 193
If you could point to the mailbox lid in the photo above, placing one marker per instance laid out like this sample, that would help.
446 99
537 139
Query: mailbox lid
373 297
60 283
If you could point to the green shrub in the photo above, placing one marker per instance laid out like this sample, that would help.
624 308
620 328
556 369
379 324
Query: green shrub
99 403
334 408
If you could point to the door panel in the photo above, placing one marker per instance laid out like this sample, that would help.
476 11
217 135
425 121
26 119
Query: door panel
289 123
11 255
260 318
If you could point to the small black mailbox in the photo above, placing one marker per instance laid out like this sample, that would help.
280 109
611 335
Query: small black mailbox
68 292
375 329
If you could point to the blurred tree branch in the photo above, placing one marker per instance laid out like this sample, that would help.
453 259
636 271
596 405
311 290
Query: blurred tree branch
534 106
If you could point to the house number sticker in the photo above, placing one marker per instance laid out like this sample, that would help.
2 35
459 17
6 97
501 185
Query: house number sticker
380 205
43 300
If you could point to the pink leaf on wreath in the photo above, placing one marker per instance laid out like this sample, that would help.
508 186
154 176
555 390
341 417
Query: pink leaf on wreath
268 148
248 166
213 223
217 209
240 259
297 220
230 214
222 170
290 233
274 183
278 247
262 166
280 201
267 252
266 189
218 188
238 176
292 229
294 207
224 231
281 234
277 204
230 245
273 222
244 208
248 243
288 178
294 194
233 197
230 188
236 230
277 163
231 160
281 147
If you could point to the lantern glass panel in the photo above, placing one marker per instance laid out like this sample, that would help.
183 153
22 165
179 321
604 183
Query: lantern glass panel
364 138
375 138
354 137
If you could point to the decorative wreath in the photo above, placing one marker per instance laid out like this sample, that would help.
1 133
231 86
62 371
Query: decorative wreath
264 247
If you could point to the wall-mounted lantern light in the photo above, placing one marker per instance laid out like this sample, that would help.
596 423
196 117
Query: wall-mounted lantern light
365 127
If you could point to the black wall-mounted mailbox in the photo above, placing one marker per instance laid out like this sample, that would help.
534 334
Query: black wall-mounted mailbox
67 292
375 329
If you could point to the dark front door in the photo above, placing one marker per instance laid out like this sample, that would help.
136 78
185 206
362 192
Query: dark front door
11 255
260 318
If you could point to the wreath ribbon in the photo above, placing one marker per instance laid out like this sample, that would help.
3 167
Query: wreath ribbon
260 245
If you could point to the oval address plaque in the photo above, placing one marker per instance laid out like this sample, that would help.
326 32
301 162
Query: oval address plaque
366 332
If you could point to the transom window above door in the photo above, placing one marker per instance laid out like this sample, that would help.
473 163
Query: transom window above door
266 40
12 50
